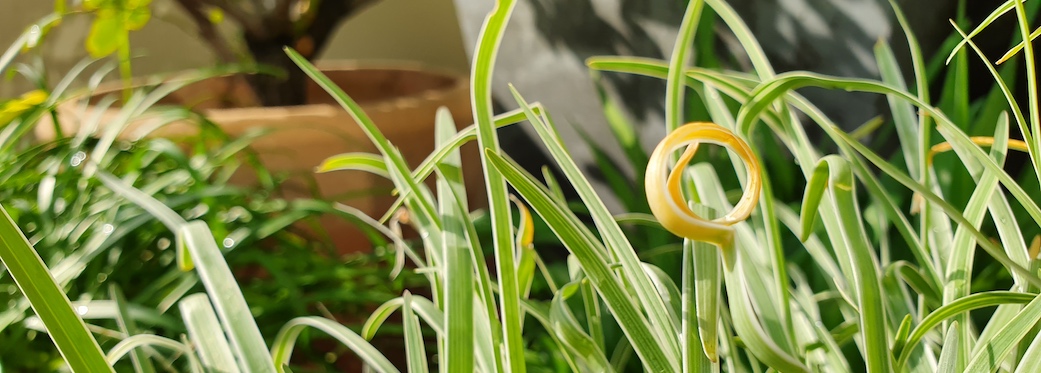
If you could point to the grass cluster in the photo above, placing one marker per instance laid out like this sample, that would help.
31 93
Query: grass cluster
97 243
920 262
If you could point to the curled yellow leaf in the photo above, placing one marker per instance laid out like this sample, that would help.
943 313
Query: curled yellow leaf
13 108
978 140
526 236
1013 144
665 194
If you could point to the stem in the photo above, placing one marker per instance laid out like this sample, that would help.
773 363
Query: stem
124 65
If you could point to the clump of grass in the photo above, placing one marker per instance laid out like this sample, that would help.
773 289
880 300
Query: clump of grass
891 284
94 240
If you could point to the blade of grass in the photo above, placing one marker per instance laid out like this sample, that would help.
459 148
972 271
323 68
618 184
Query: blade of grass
355 161
66 329
569 331
707 282
485 54
969 303
998 12
950 358
1031 361
421 306
581 243
492 328
903 113
16 47
282 346
415 353
745 324
201 322
224 292
872 321
614 238
674 84
134 342
1032 86
396 164
749 42
539 312
458 271
960 263
464 136
989 357
594 315
128 326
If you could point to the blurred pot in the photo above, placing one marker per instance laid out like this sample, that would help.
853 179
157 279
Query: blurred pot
401 99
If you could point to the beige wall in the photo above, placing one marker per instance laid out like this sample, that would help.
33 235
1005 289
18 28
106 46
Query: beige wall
414 30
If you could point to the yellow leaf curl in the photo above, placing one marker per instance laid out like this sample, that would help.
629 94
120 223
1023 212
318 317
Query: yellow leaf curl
665 195
916 199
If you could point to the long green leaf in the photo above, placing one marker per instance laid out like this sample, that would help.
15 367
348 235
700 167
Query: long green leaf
1032 87
969 303
950 358
80 350
355 161
485 55
702 281
30 33
224 292
584 246
464 136
128 326
873 325
458 271
395 163
132 343
201 321
988 358
282 346
663 324
1031 361
569 331
415 352
420 306
674 86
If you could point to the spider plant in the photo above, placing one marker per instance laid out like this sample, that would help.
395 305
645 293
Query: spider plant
94 240
894 283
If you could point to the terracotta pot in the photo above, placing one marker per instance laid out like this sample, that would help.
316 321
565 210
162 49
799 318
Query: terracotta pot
402 100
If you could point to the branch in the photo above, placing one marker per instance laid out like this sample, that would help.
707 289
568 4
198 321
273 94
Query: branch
207 31
250 23
283 8
279 18
325 17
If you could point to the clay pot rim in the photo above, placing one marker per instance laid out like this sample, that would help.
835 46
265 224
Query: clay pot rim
458 82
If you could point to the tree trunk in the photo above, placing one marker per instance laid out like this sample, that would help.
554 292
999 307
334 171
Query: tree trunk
287 90
266 47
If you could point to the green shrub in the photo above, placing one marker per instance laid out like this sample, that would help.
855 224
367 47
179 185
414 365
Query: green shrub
890 284
97 242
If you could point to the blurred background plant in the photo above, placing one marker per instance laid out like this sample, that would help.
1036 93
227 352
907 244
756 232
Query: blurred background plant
93 239
854 259
262 28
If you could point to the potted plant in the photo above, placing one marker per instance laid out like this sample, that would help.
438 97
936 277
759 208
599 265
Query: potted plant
302 123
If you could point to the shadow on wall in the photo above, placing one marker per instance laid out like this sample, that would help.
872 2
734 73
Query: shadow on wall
547 42
585 29
834 37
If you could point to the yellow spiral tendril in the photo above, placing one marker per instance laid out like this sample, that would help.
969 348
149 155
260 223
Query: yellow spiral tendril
665 194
